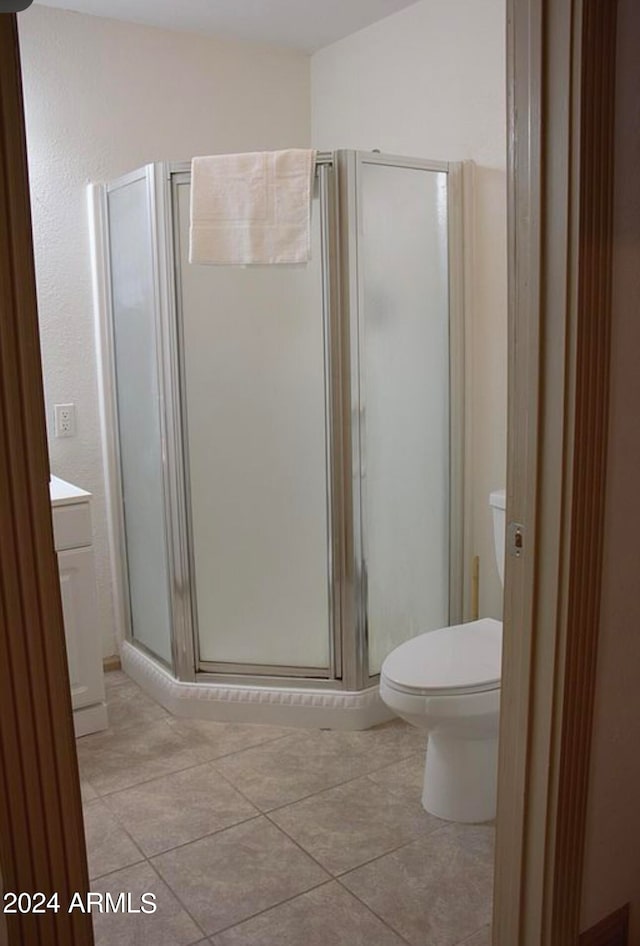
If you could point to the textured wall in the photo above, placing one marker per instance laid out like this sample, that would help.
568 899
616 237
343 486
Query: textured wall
430 82
103 97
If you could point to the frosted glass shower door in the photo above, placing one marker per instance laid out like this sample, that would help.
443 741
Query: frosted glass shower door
136 357
253 384
404 401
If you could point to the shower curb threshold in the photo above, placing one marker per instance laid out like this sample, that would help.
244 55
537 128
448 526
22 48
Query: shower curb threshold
299 707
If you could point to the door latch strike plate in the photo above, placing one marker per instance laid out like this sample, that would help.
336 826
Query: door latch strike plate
515 539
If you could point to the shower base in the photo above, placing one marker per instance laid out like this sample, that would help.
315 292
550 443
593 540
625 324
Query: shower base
302 707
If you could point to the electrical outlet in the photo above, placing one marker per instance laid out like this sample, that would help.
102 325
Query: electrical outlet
65 420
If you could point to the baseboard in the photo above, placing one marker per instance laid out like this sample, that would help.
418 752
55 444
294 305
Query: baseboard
237 703
612 931
90 719
111 663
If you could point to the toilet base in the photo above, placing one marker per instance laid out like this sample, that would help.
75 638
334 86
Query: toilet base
460 778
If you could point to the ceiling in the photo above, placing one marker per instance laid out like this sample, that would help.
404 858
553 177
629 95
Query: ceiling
301 24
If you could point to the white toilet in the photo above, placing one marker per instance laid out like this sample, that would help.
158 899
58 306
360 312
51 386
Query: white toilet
447 682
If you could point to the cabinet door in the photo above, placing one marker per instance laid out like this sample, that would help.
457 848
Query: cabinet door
77 585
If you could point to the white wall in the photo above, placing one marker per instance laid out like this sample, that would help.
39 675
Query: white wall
103 97
611 874
430 82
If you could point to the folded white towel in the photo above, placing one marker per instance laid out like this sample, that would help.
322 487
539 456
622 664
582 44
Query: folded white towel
252 208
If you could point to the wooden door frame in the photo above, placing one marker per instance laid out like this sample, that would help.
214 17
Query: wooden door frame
561 66
42 846
557 441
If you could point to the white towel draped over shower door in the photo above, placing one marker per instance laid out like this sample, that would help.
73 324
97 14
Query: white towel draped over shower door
252 208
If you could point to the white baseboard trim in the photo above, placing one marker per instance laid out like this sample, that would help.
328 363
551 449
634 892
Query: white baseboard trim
276 706
90 719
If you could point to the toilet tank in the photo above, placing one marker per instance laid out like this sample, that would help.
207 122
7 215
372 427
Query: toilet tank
497 501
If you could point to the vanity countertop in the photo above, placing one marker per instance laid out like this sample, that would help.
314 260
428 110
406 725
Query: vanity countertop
64 494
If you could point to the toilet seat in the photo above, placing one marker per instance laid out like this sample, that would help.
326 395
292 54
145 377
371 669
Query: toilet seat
452 661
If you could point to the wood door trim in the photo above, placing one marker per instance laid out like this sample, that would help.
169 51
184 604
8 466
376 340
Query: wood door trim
612 931
592 356
561 56
42 845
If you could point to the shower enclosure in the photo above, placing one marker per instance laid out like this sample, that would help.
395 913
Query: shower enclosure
284 442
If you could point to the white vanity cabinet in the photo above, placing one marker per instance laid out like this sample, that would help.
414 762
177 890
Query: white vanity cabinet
71 513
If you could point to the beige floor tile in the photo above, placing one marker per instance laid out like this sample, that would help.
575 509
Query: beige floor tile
129 706
87 791
384 744
170 925
285 771
211 740
109 847
435 891
232 875
113 761
353 823
114 678
481 938
403 779
326 916
179 808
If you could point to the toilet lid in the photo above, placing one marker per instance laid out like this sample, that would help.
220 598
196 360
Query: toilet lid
458 659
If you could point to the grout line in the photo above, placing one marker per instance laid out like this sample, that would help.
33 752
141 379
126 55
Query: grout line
213 762
418 754
179 899
397 796
349 870
146 860
319 791
393 850
487 926
168 717
116 870
146 781
143 856
186 768
340 877
202 837
420 836
293 840
226 755
252 817
371 910
265 814
191 765
274 906
122 729
154 778
299 846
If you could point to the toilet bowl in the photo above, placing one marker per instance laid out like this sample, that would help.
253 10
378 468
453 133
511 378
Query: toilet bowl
447 682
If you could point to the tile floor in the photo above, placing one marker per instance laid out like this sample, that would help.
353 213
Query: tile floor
261 836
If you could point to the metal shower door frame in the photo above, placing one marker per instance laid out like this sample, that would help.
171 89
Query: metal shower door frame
188 664
345 420
105 340
349 163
